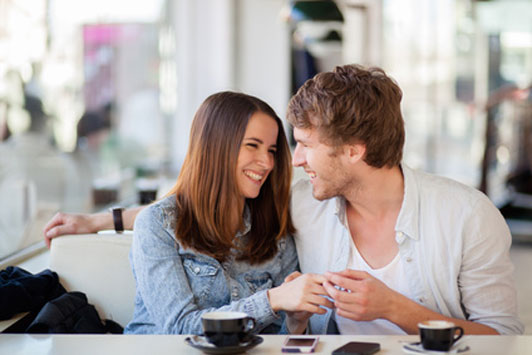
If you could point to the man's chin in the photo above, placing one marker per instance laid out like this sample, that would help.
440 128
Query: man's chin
319 196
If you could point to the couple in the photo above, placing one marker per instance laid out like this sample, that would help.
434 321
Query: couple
381 247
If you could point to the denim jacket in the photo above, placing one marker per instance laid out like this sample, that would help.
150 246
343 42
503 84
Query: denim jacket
175 285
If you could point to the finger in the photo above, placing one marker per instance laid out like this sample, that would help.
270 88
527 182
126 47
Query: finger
320 290
310 287
52 230
56 220
292 276
47 241
59 230
357 274
350 314
319 278
308 307
318 300
330 289
308 282
337 295
354 303
314 278
344 282
48 238
349 273
322 301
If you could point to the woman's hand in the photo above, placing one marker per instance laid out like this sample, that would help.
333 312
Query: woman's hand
301 295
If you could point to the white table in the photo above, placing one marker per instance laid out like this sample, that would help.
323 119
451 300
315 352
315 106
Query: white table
13 344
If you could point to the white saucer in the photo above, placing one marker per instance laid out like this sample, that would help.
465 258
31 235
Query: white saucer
417 349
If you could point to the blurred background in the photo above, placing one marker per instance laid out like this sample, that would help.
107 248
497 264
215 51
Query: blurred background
96 97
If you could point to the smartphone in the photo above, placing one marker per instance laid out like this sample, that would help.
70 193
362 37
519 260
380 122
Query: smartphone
357 348
300 344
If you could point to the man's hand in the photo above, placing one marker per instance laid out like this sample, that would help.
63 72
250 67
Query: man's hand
365 298
68 223
361 297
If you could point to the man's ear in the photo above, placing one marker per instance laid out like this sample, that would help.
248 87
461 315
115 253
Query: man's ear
356 152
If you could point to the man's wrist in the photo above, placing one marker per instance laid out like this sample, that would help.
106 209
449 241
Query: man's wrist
99 221
396 310
404 312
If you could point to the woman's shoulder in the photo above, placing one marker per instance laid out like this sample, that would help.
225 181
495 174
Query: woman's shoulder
286 244
154 226
162 212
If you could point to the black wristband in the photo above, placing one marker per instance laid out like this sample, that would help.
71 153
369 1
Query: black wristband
117 219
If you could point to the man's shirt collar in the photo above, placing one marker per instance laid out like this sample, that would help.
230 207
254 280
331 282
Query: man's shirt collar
408 219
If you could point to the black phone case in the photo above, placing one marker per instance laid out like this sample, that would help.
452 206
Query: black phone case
357 348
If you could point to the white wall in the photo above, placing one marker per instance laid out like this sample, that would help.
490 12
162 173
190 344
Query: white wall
205 61
228 45
263 58
362 33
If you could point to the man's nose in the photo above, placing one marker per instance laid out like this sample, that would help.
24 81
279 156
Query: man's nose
298 159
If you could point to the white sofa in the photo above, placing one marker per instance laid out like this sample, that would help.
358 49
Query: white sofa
97 265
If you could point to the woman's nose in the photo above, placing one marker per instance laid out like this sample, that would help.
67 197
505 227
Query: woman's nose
265 160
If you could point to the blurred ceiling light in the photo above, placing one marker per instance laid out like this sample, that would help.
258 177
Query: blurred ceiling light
516 39
503 154
18 119
105 11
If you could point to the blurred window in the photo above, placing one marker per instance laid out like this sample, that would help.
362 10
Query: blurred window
84 107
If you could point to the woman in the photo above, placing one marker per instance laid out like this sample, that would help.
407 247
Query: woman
220 240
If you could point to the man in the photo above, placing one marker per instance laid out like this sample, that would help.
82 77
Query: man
397 246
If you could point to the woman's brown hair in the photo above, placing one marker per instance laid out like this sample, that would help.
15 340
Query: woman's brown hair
207 192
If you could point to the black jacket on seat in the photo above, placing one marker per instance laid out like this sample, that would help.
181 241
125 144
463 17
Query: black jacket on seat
21 291
71 313
52 309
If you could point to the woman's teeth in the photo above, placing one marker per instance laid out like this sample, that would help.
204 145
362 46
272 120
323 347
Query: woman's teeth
252 175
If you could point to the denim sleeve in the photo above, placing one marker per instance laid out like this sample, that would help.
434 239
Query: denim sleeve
289 264
163 284
289 261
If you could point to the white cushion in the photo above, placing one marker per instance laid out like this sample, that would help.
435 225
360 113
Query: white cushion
97 265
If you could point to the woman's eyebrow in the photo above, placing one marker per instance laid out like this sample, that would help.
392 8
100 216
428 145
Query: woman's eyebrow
255 139
258 140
